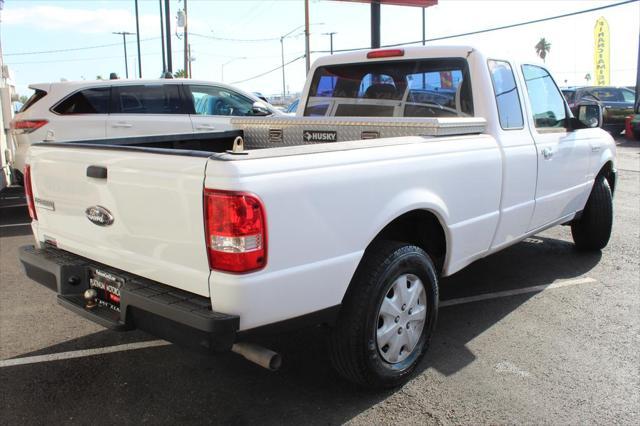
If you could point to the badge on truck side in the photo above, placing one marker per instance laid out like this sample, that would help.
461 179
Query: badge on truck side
320 136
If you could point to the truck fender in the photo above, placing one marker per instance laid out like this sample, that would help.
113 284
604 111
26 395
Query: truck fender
412 199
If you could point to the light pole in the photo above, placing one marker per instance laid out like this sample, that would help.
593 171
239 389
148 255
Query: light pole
164 56
307 55
124 43
167 33
138 40
330 40
306 25
227 63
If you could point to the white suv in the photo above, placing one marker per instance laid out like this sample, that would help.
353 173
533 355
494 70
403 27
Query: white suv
83 110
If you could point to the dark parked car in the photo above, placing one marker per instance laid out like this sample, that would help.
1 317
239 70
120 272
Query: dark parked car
617 103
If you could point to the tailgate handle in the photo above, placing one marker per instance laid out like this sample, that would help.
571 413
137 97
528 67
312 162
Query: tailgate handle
97 172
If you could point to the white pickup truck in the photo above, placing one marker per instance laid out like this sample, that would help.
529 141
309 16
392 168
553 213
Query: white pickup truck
401 166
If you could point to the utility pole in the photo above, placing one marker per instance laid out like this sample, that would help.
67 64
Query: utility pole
190 60
167 21
186 42
306 36
138 40
330 40
124 43
164 61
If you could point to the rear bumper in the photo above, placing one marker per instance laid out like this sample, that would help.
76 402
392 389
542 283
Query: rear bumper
166 312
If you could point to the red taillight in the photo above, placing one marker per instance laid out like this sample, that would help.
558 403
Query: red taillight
28 192
387 53
236 231
27 126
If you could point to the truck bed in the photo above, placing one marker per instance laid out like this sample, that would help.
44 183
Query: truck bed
280 132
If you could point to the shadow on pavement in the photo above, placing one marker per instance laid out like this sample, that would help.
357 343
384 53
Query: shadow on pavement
172 385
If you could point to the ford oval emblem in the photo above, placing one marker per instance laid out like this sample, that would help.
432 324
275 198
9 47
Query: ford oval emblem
99 215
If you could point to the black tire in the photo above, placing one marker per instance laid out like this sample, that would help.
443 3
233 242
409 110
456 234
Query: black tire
593 230
352 343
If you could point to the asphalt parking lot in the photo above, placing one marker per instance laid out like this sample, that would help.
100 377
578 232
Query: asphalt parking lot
538 333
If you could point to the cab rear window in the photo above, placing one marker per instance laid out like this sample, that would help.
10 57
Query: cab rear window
37 95
403 88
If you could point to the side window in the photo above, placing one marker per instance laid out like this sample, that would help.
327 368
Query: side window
211 100
628 95
547 104
569 95
608 94
149 99
87 101
506 92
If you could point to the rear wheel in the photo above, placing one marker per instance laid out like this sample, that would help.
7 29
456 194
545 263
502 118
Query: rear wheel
593 230
387 317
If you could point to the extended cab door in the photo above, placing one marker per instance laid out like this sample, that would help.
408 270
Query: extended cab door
563 154
212 107
147 109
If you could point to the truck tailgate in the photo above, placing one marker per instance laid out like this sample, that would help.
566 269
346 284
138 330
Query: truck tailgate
155 201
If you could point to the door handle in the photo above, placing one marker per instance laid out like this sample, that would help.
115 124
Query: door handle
98 172
547 153
205 127
122 124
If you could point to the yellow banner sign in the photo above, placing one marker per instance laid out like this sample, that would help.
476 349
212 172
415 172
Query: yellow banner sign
601 52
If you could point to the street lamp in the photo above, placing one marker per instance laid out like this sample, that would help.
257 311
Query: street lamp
282 53
331 34
227 63
124 43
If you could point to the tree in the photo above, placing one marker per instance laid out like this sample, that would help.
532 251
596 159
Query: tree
99 77
23 99
180 74
542 48
587 77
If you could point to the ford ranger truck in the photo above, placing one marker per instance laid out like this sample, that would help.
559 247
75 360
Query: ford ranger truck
401 166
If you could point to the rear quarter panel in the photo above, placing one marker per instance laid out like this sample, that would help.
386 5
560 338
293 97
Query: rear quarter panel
324 209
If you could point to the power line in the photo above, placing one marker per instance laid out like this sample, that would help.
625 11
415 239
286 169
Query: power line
72 49
486 30
255 40
268 72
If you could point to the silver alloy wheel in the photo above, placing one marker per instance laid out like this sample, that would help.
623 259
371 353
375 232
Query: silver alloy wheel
401 318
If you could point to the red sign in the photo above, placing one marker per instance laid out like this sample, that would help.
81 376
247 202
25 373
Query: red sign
417 3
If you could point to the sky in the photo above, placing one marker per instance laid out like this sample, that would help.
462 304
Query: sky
234 41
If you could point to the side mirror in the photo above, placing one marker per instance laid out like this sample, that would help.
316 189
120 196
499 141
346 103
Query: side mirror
260 109
590 115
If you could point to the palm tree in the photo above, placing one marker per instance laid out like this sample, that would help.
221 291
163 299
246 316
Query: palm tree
542 48
180 74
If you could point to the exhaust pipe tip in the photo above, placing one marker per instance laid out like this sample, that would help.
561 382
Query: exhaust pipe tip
259 355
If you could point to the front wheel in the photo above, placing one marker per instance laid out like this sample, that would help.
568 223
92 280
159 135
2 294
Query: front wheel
387 317
593 230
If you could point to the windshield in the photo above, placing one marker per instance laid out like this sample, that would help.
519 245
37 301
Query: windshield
408 88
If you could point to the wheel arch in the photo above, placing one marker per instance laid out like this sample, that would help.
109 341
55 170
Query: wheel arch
608 171
421 227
